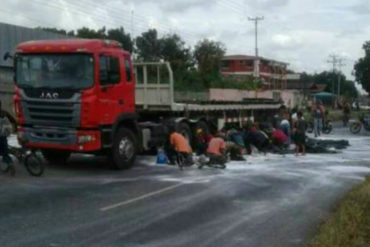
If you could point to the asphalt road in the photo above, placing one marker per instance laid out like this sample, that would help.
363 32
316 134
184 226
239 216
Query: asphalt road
267 201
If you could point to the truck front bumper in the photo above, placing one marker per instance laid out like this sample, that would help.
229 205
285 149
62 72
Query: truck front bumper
64 139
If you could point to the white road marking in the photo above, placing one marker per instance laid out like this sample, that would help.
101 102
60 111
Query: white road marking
124 203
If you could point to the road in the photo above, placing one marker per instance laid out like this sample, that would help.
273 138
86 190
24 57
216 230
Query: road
266 201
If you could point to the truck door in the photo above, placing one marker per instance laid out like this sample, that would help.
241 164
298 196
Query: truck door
126 96
109 79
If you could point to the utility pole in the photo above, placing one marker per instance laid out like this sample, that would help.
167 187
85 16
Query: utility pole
133 55
256 20
340 65
333 59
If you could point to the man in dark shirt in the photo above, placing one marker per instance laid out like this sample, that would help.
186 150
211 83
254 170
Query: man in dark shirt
300 136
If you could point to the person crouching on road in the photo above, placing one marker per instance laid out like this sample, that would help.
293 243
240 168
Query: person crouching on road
285 127
179 145
202 140
257 138
300 134
216 150
235 146
279 139
5 130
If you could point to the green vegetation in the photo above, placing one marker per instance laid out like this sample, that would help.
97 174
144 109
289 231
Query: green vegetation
362 68
349 225
330 80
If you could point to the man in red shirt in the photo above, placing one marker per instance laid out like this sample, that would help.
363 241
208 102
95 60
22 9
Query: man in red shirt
279 139
216 150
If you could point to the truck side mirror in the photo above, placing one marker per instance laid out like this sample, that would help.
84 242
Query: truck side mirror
7 55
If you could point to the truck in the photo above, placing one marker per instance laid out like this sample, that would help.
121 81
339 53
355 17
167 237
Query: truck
87 96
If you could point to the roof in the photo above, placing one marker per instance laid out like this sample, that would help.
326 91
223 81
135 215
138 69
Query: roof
247 57
12 35
67 45
238 57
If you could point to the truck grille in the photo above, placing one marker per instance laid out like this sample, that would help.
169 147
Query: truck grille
52 112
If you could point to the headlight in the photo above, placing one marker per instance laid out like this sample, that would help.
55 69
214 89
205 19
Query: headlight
85 139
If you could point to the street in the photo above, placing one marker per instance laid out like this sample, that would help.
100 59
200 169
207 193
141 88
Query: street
267 200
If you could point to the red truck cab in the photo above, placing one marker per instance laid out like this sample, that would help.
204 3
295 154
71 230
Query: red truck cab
76 95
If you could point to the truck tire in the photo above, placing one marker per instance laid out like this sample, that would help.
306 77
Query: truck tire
184 129
56 157
124 149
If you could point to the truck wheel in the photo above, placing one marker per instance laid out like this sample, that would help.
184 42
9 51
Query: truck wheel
56 157
184 129
124 149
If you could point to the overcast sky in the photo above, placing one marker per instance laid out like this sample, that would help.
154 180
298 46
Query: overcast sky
301 32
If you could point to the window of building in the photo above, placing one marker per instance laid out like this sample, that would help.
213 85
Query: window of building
109 70
276 96
224 65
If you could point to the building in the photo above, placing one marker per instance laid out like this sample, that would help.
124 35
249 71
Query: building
10 37
245 68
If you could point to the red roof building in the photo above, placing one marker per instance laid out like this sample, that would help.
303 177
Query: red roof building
241 67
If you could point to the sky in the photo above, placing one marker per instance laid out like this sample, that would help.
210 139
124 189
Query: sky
301 32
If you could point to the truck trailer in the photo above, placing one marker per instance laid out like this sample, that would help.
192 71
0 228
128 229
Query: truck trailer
87 96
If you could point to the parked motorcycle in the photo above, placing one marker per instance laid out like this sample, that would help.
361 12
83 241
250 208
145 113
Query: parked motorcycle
356 126
326 128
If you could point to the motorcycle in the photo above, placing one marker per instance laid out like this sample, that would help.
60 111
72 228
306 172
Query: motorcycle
326 128
356 126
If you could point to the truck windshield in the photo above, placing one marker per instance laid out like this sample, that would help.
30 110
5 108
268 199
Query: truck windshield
73 71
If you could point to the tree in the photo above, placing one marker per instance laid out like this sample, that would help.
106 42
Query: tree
88 33
362 68
119 35
173 50
208 55
55 30
148 46
330 79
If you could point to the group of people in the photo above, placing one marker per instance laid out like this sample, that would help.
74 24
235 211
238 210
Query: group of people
233 142
212 146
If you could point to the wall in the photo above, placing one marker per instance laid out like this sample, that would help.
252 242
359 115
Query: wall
291 98
7 89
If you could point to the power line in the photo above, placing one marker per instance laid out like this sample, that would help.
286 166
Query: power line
99 17
104 18
232 7
138 18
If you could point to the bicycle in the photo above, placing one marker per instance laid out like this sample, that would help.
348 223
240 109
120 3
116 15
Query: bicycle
356 126
326 128
29 158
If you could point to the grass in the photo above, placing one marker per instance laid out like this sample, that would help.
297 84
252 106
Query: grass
349 224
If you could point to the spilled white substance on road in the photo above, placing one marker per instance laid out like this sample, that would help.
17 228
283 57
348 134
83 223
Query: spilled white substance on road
352 163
